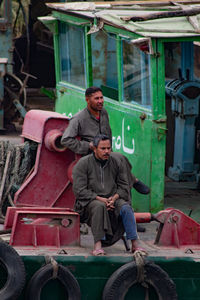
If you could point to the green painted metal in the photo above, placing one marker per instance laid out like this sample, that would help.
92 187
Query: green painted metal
70 19
126 123
158 128
88 57
92 274
123 116
49 93
49 22
119 67
56 41
139 131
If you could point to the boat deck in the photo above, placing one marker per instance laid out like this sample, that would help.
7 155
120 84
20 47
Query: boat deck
116 250
183 196
182 265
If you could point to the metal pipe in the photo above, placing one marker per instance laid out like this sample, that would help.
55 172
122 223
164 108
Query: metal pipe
52 141
143 217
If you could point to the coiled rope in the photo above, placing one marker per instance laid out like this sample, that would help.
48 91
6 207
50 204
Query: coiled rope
55 266
139 257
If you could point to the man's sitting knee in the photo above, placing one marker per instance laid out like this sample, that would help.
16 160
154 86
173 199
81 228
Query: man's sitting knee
97 205
126 208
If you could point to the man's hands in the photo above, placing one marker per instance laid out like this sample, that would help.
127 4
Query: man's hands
109 202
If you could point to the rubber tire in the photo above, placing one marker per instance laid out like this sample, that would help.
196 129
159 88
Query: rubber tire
16 274
123 278
44 274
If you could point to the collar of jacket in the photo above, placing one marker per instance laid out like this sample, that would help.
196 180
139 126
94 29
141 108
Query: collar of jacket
93 117
103 163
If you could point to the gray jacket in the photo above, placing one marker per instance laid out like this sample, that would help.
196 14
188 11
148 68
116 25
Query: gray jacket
86 126
91 179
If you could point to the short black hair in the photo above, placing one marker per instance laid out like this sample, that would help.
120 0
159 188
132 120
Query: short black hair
100 137
91 90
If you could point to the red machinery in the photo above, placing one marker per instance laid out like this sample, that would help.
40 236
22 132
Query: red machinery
43 215
175 228
49 183
39 226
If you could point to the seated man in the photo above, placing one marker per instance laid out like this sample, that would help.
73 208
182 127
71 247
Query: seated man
101 188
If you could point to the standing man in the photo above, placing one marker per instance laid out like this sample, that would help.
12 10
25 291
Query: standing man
88 123
100 186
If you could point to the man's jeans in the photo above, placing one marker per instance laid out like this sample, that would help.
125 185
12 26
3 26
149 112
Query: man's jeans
129 223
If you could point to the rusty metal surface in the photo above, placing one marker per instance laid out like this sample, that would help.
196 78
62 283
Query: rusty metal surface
35 122
177 229
48 185
45 227
10 215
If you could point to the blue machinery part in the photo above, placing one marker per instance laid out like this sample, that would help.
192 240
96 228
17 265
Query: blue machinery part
6 49
185 95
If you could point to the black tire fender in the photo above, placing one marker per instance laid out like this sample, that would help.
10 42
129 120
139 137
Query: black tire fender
123 278
16 274
44 274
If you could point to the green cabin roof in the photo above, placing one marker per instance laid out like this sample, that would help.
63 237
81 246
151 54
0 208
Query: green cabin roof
148 19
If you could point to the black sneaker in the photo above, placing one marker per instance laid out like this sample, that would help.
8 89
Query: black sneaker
141 187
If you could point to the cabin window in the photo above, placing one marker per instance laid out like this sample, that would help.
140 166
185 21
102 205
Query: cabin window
104 63
72 54
172 60
182 61
136 74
